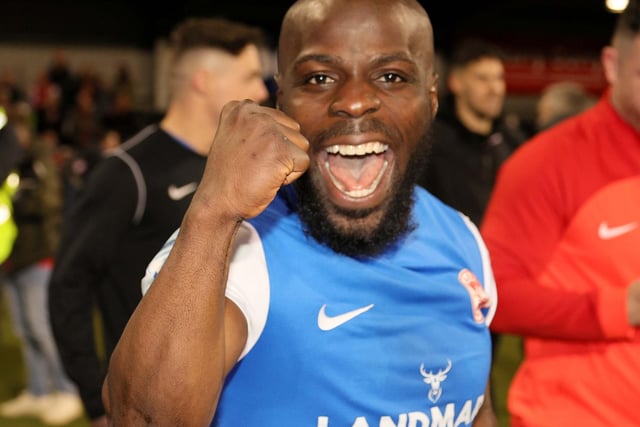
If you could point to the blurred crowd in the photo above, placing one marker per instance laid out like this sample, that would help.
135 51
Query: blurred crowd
55 133
77 112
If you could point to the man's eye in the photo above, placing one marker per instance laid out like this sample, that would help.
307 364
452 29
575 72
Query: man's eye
320 79
391 78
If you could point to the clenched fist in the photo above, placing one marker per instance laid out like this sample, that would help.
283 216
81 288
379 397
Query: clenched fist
255 151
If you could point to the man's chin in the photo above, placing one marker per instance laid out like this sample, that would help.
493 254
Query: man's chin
358 233
366 232
355 223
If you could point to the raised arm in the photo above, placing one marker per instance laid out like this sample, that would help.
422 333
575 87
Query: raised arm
170 364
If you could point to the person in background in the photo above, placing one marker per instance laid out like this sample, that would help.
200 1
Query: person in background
470 137
10 149
60 75
11 152
10 90
37 210
563 230
138 195
560 101
353 297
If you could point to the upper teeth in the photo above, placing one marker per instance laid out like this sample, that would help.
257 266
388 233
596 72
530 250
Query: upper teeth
358 150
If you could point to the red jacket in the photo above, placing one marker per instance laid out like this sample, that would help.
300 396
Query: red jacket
563 231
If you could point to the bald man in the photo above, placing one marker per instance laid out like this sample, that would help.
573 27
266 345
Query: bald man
138 196
350 298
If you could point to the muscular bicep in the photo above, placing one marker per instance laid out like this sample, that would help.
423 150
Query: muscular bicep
235 334
247 291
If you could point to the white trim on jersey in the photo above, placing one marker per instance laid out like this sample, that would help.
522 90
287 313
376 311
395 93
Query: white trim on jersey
488 281
247 282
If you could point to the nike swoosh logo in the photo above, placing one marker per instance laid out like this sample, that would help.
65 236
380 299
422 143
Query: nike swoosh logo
606 233
179 193
327 323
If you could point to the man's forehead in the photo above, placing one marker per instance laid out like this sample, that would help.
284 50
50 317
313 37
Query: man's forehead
347 31
358 15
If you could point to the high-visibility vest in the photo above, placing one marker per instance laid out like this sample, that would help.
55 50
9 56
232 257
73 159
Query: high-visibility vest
8 229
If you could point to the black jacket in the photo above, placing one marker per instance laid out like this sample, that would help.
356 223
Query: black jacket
130 205
10 151
463 165
37 208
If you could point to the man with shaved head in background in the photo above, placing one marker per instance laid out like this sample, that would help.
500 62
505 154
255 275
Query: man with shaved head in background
349 298
139 195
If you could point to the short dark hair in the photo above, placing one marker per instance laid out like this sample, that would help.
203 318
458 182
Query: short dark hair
628 23
472 50
218 33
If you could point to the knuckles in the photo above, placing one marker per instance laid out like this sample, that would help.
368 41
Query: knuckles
256 132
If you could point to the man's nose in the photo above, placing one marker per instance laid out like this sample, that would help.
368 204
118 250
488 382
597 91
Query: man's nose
355 98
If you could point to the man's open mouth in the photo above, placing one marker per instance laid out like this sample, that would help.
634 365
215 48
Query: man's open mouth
356 170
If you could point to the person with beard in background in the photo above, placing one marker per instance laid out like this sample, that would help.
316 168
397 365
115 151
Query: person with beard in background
471 139
311 281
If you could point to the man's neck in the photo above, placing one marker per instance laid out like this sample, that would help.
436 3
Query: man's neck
472 121
192 130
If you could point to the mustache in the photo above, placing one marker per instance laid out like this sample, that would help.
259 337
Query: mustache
345 128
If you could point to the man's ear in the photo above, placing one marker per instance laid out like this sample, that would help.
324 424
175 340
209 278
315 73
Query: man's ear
201 79
433 95
454 82
610 63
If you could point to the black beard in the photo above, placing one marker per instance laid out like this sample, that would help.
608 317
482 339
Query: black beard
355 242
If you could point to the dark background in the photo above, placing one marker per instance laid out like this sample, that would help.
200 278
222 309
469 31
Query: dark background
530 25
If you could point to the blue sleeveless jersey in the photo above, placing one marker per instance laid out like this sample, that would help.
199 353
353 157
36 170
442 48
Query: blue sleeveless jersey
398 340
